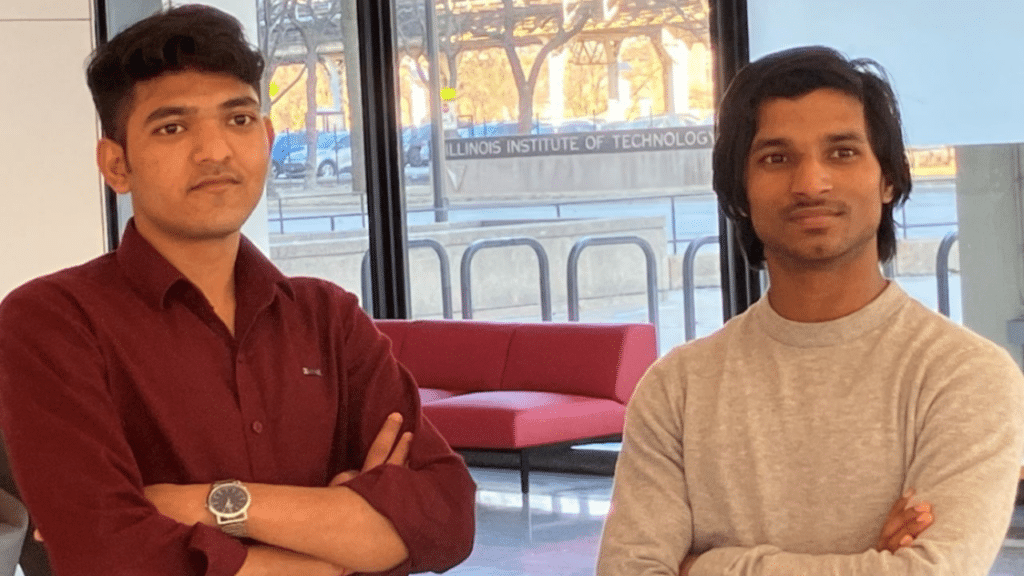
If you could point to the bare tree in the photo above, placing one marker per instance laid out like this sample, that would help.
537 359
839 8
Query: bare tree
527 83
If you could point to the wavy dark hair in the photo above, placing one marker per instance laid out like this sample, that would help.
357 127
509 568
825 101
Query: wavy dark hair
189 37
790 74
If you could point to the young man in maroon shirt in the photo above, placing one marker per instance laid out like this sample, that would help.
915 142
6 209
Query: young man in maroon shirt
181 407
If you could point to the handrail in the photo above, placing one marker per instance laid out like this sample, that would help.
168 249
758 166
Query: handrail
572 273
446 275
557 205
689 308
942 270
542 261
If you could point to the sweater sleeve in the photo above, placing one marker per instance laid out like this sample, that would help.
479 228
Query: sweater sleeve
73 465
966 463
648 530
430 502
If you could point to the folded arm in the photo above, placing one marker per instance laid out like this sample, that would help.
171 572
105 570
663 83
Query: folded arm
966 465
406 510
332 524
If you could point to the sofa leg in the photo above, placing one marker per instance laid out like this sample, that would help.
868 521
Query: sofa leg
524 470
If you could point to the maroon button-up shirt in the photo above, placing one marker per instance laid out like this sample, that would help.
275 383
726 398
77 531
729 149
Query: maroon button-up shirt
117 374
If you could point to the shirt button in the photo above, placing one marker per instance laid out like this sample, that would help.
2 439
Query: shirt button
257 426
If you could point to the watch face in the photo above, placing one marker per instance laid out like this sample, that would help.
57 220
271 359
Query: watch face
229 499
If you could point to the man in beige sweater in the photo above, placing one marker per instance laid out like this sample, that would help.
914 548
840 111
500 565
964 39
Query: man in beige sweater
789 443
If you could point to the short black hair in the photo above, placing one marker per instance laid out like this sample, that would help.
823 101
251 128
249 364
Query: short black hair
790 74
189 37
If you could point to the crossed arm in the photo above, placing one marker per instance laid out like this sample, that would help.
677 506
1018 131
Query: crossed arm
966 453
904 524
329 531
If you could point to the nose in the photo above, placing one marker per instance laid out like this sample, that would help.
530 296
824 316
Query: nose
210 144
811 177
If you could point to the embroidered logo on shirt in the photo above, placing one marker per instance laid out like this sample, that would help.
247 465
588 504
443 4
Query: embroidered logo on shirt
311 371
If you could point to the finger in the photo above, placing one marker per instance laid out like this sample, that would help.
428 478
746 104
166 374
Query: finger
401 454
917 520
385 440
37 535
895 519
343 477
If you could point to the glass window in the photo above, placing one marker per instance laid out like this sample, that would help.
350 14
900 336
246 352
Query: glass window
316 201
559 140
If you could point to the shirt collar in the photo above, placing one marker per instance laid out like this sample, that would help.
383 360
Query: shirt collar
156 279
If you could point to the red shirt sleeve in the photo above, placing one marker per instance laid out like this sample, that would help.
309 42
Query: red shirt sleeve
70 457
431 501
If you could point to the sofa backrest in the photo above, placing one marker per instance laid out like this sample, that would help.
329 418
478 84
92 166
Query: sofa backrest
457 355
395 331
598 360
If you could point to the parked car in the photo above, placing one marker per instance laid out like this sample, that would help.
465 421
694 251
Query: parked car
333 155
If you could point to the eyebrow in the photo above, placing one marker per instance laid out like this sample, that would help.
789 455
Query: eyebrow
170 111
836 138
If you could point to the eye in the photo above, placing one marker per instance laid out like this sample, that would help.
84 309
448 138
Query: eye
774 158
844 153
170 129
242 119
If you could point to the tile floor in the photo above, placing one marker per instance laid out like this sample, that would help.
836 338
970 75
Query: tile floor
556 529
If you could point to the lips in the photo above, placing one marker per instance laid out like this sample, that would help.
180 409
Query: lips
215 182
815 212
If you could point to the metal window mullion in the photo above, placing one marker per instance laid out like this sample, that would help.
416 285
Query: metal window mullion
389 276
730 43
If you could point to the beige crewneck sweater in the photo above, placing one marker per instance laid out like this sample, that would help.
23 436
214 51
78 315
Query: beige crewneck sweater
777 448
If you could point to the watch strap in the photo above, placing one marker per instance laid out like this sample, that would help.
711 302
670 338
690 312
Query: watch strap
234 528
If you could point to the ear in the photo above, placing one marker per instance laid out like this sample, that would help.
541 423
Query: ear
270 132
110 156
887 192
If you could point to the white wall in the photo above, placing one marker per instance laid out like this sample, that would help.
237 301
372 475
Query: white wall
51 214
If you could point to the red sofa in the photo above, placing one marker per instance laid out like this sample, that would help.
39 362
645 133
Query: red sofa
513 387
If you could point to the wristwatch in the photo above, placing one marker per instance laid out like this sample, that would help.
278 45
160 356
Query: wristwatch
229 502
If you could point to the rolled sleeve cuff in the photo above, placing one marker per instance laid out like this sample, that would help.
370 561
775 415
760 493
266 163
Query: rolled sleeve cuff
432 513
222 555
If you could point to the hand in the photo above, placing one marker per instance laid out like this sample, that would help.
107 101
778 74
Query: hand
684 568
387 442
904 524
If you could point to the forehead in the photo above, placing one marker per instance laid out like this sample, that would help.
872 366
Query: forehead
199 91
812 116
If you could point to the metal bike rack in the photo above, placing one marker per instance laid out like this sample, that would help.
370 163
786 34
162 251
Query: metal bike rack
942 270
446 275
542 261
572 273
889 268
689 308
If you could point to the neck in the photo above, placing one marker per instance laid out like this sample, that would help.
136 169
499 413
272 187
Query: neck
207 263
822 294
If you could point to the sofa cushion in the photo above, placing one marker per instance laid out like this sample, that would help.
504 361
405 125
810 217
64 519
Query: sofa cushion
433 394
597 360
520 419
456 354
